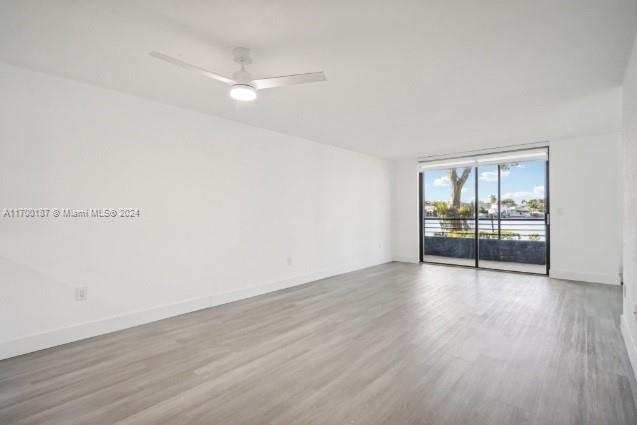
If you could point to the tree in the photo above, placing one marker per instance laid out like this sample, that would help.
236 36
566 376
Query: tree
536 204
457 183
509 202
441 208
456 209
492 199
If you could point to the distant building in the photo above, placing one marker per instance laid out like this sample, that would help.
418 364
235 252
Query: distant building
521 211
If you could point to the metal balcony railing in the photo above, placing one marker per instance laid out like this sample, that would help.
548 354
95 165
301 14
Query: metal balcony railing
518 228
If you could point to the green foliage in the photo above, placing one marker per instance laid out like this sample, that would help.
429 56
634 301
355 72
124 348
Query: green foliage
465 211
509 202
440 208
536 204
506 234
534 236
455 234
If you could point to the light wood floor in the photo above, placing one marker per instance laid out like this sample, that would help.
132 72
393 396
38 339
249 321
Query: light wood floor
393 344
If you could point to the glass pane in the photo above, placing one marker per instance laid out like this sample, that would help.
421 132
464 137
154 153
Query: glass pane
488 202
517 241
449 216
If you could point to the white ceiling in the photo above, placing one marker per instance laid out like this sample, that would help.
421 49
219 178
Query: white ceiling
404 77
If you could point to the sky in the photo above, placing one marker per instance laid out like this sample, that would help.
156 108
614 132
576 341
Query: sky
523 181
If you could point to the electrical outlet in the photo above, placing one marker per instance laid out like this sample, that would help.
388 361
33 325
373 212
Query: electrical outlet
81 293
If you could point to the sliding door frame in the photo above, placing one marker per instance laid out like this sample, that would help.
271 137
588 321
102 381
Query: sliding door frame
547 210
547 213
476 222
421 217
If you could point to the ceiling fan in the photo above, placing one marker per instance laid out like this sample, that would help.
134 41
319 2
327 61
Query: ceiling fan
242 86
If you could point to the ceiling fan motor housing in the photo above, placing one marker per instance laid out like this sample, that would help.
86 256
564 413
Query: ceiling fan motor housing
242 76
242 55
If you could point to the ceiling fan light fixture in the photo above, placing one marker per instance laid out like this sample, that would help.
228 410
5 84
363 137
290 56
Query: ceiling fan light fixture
243 92
243 87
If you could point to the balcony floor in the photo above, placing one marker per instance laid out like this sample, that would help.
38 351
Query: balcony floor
488 264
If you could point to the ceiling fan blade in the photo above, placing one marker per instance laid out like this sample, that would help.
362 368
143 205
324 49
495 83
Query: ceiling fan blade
191 67
288 80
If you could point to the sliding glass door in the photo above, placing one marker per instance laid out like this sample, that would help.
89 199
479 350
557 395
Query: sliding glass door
488 211
449 216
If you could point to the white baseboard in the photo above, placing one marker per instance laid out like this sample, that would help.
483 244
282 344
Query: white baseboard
608 279
631 347
405 259
55 337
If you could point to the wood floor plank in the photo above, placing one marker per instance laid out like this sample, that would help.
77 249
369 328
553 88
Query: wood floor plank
392 344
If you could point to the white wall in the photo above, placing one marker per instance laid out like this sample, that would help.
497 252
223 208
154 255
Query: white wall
223 207
629 230
405 215
581 168
584 186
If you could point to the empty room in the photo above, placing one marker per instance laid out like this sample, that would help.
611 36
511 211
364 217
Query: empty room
299 212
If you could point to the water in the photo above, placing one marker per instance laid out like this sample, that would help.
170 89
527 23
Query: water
526 229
